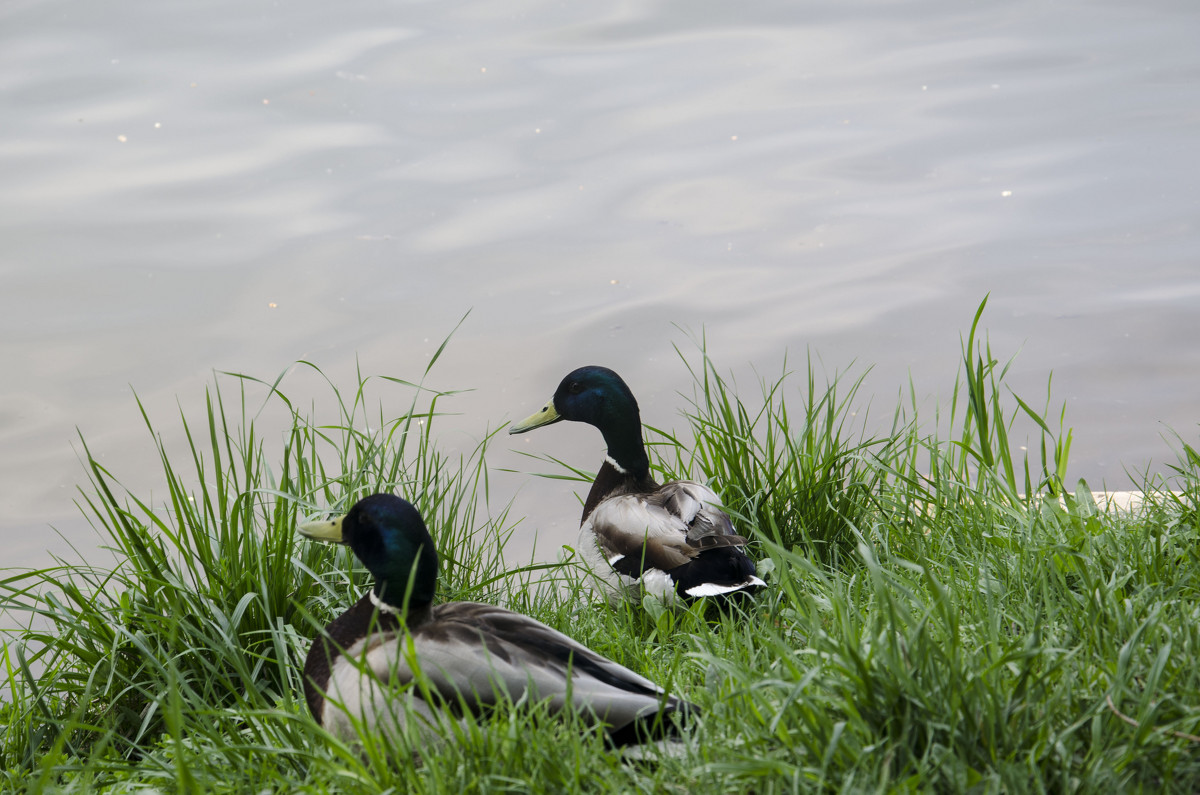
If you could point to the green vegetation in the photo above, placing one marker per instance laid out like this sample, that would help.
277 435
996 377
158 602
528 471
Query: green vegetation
944 615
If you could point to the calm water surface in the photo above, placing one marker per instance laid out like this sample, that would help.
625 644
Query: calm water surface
200 186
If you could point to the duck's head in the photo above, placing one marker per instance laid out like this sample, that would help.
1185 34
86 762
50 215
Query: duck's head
388 535
592 394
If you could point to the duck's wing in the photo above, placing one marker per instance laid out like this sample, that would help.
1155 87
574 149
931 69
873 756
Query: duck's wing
631 527
699 508
662 530
673 540
476 653
469 656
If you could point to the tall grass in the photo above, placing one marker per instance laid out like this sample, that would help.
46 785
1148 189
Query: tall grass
944 614
198 626
800 478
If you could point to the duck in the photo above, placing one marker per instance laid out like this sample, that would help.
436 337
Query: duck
671 541
396 663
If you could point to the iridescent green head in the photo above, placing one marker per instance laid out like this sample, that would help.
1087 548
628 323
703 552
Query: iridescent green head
389 536
599 397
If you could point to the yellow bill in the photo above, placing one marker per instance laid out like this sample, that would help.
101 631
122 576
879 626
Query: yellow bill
547 415
323 530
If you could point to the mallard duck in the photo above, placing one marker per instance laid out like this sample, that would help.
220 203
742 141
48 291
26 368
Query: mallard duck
669 540
449 658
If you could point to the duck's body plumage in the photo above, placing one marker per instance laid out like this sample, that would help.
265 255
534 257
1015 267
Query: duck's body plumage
670 540
382 666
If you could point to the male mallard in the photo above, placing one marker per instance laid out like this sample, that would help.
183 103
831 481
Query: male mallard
468 655
665 540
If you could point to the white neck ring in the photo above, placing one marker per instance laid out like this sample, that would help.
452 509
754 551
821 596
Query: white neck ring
382 606
612 462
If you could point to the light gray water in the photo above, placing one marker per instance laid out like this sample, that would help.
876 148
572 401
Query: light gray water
197 186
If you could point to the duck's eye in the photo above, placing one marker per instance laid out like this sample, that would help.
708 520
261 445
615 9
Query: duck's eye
575 388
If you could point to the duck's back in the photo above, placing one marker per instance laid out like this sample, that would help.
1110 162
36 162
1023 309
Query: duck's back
675 539
494 649
471 655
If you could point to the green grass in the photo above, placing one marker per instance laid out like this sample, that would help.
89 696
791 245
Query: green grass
944 615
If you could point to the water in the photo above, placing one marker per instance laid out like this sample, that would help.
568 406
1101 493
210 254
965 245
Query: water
190 187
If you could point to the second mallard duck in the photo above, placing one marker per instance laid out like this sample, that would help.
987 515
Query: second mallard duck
671 540
398 664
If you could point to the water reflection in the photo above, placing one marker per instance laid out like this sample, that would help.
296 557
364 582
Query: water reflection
192 186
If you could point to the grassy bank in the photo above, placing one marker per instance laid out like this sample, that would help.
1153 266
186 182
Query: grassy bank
944 614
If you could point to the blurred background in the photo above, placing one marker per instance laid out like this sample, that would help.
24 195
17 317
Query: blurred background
192 187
